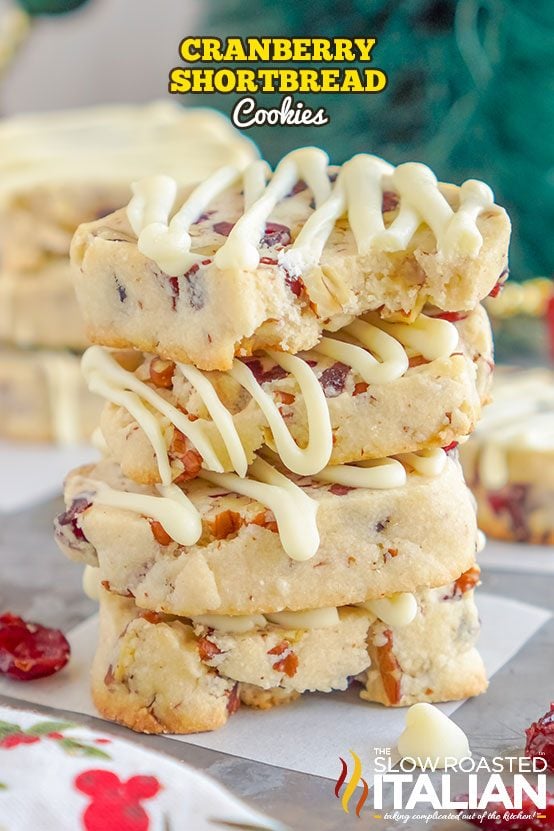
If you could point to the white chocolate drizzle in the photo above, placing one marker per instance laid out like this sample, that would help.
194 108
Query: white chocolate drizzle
358 192
295 512
172 509
428 462
120 386
375 473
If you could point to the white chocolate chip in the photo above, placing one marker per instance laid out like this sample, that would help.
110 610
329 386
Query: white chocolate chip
91 582
396 610
430 735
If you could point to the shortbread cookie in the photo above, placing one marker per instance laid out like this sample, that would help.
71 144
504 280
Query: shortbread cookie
428 400
434 658
44 398
40 309
322 542
60 169
243 266
509 462
158 673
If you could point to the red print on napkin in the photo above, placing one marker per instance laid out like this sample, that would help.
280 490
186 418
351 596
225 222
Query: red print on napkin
116 804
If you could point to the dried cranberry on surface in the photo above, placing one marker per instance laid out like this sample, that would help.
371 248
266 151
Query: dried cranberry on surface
295 284
333 379
390 201
224 228
298 188
451 317
29 650
540 739
264 376
276 234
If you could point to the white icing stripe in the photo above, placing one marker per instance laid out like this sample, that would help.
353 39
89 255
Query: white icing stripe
425 462
304 461
220 415
428 336
381 474
358 191
173 510
169 243
105 376
295 513
393 361
362 183
241 247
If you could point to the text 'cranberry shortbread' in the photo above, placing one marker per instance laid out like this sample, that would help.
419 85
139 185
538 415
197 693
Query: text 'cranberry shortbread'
253 260
269 541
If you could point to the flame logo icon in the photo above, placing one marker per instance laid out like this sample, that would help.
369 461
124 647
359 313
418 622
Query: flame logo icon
352 785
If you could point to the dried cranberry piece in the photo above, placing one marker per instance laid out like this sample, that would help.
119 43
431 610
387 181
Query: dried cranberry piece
452 446
72 515
224 228
275 234
68 531
390 201
175 290
121 290
540 739
333 379
452 317
298 188
496 816
29 650
339 490
499 283
295 284
264 376
233 702
511 500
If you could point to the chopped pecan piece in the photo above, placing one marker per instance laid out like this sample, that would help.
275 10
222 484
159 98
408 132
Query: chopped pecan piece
225 523
181 448
391 674
468 580
159 533
161 373
207 649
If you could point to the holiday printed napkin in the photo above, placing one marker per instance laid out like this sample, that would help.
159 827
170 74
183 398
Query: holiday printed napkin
61 775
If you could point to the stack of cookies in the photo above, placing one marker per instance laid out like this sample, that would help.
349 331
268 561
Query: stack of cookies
289 361
56 171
